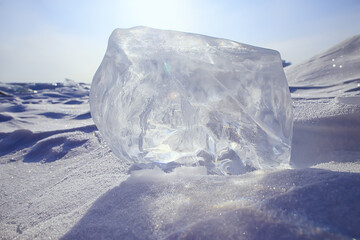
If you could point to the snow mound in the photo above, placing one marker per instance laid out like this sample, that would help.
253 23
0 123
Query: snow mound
166 96
335 66
328 74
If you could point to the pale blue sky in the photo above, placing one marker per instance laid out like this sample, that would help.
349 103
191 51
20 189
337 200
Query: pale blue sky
49 40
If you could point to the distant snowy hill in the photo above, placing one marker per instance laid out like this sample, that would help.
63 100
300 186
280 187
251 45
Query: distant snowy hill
338 65
333 73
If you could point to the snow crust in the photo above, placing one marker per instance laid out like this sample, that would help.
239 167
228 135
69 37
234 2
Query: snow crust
173 97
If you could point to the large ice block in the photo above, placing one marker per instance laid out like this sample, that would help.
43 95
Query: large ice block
167 96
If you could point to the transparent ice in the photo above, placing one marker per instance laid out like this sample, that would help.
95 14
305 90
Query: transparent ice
187 99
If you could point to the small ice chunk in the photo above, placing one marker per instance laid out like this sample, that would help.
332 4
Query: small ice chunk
166 96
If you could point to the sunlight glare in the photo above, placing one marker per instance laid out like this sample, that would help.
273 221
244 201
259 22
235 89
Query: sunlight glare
163 14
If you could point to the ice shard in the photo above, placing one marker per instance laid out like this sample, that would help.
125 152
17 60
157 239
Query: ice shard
172 97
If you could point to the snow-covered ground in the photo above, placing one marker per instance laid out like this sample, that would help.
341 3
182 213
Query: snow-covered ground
58 179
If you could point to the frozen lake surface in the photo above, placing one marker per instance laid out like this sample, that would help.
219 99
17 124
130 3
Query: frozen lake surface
59 179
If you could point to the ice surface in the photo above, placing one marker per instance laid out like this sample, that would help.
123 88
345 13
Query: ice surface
166 96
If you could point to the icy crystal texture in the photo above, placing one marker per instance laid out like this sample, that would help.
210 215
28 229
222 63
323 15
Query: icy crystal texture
188 99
